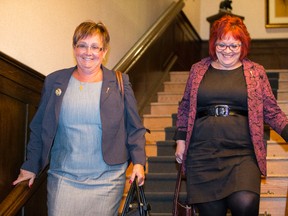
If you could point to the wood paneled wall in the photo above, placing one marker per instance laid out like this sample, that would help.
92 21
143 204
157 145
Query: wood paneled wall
272 54
176 49
20 90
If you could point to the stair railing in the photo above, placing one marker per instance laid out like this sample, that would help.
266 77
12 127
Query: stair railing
20 194
149 37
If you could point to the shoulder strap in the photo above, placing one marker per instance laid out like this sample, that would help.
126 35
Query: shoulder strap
120 82
177 188
189 210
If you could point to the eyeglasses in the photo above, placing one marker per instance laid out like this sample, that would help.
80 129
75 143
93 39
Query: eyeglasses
232 47
85 47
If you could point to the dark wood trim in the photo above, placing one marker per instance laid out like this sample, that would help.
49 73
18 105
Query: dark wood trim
20 92
19 196
170 44
149 37
271 53
9 68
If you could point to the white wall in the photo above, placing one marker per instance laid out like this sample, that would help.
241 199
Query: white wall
253 11
38 33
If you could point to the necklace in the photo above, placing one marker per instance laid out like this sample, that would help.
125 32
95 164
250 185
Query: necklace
82 84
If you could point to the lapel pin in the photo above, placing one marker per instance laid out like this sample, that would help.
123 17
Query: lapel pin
58 91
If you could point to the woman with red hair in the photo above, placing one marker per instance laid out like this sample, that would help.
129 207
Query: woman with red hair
220 125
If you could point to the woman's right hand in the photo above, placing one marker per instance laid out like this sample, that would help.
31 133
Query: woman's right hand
180 149
25 175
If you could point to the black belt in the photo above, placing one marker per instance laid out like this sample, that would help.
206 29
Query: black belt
220 111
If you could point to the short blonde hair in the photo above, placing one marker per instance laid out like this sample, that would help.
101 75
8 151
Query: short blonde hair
89 28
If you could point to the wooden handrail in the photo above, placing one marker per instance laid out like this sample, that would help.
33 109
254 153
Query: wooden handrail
21 66
149 37
20 194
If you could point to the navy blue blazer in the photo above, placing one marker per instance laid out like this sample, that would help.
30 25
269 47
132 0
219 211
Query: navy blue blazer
122 129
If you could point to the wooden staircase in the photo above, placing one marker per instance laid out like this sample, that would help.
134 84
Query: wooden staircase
162 168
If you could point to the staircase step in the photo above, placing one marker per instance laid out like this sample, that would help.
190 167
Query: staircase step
276 137
274 185
274 206
174 119
157 121
162 202
277 165
156 134
170 132
274 83
282 94
283 105
277 149
162 182
161 134
163 108
163 164
283 85
179 76
151 150
169 97
174 87
282 73
166 148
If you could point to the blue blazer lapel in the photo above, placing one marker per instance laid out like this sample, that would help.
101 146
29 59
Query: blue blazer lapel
59 88
108 84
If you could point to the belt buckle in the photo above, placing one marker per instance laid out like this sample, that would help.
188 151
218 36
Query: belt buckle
221 110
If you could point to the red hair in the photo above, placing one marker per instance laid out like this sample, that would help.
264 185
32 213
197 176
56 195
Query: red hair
229 25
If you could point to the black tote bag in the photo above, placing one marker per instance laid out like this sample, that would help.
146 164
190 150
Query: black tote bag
135 203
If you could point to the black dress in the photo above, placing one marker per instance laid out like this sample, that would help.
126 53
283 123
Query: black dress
221 158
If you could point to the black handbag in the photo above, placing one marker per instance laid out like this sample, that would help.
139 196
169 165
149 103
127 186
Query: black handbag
135 203
179 208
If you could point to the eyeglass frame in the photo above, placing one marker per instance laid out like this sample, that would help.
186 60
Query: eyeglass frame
93 47
225 46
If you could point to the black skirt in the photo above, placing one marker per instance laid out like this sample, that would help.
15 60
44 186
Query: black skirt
220 157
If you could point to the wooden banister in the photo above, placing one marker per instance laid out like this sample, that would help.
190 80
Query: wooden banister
20 194
131 57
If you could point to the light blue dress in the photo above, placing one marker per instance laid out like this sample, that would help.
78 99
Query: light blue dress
79 181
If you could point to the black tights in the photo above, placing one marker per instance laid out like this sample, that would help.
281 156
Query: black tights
241 203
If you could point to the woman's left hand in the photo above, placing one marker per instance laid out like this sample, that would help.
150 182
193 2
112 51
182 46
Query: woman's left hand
138 170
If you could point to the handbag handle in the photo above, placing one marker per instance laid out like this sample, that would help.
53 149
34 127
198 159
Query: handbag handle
129 198
146 206
143 206
177 188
